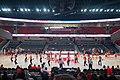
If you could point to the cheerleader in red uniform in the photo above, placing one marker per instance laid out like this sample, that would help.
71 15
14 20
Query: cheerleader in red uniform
40 57
83 55
68 61
25 58
100 61
49 61
6 52
115 55
56 55
60 55
76 58
89 58
15 59
92 55
48 55
68 55
51 55
36 56
11 58
106 55
97 54
31 59
85 62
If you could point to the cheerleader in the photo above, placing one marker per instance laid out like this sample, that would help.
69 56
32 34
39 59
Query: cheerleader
51 54
25 58
68 55
76 58
100 61
36 56
60 55
31 59
41 58
68 61
15 59
11 58
49 61
85 62
115 55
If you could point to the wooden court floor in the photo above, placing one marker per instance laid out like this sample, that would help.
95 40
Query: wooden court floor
109 61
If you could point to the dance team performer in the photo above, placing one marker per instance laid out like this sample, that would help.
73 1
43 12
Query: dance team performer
40 57
25 58
85 61
100 61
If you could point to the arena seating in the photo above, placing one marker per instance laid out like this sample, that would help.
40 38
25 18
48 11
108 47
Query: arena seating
66 44
36 74
33 46
92 30
61 47
30 30
1 40
8 28
13 44
110 45
117 42
114 29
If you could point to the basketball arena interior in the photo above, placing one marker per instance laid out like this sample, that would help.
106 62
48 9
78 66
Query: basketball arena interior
59 40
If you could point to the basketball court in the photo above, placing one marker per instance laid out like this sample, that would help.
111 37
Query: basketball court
109 61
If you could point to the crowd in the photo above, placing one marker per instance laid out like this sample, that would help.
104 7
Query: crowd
107 73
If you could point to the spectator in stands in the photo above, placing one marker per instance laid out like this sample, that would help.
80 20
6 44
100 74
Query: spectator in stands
112 77
19 75
1 66
78 70
64 77
113 67
5 76
81 76
18 68
0 75
117 67
29 67
34 67
51 77
38 67
105 76
104 67
45 74
101 77
88 75
94 77
109 70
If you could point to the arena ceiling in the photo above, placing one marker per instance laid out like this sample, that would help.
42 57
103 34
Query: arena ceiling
60 9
